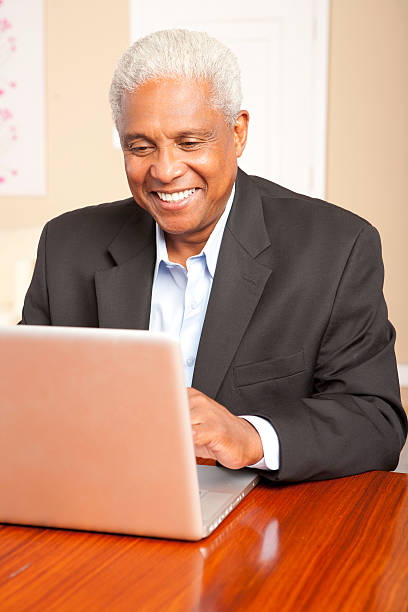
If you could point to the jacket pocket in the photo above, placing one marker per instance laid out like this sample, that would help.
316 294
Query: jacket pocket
270 369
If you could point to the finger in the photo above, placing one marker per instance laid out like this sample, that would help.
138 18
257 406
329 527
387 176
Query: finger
204 453
205 435
200 412
191 392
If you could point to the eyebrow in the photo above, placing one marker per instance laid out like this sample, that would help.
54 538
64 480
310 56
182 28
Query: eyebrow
134 136
196 132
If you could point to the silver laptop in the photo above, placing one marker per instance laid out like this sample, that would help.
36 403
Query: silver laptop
95 434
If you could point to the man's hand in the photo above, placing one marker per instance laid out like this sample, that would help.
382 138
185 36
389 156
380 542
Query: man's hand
220 435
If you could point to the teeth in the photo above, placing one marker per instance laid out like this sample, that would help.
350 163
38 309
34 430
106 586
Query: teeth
175 197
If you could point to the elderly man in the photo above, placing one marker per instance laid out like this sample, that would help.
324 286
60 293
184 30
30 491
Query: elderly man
276 297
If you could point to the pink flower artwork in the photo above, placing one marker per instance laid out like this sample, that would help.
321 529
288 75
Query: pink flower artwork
8 130
4 25
22 93
5 114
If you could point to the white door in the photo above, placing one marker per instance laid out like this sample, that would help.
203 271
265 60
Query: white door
282 48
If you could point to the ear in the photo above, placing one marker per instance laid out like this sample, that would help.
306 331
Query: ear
240 129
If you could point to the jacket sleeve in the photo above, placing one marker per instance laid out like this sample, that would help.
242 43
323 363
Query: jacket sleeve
353 422
36 304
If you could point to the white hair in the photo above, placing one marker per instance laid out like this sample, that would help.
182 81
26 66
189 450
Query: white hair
180 54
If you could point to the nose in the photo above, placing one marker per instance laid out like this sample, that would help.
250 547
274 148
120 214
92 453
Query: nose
167 165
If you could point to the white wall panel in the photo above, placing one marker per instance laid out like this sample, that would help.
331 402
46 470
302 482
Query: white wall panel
282 47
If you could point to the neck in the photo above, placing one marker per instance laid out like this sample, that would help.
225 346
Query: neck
179 250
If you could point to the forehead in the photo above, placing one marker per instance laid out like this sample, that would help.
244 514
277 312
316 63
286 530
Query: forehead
170 104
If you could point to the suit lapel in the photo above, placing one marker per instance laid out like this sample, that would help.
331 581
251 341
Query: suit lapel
124 291
237 288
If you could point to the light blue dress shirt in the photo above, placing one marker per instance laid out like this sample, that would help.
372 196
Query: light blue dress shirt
179 304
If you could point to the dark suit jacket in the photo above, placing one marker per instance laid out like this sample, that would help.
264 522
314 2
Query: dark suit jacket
296 328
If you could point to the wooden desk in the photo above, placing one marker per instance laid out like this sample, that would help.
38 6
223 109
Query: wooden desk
334 545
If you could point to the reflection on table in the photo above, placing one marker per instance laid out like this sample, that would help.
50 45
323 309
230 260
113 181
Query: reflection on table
333 545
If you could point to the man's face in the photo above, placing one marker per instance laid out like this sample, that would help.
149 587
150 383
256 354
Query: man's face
180 156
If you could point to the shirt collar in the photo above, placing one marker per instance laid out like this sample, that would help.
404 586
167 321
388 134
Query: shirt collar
211 248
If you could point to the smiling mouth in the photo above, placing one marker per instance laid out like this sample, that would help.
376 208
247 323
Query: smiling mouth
177 196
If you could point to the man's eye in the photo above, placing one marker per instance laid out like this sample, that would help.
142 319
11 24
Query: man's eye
190 144
140 150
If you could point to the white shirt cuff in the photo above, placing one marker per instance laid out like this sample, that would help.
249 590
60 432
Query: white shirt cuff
270 443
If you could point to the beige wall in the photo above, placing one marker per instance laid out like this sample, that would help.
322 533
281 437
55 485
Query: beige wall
367 130
367 168
84 40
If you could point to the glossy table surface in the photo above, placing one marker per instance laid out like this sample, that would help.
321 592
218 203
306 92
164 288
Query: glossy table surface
334 545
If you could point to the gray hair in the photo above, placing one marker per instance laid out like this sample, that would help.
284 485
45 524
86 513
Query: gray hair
180 54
